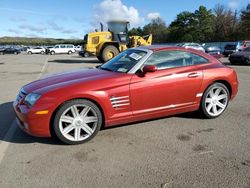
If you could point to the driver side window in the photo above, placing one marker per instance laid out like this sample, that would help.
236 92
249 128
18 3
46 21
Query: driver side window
172 59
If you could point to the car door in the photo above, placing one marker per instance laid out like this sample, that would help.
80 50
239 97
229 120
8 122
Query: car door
175 84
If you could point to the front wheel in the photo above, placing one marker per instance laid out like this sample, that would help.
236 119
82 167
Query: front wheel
70 52
77 121
215 100
52 53
42 52
109 52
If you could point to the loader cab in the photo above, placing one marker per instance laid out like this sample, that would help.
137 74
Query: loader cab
119 30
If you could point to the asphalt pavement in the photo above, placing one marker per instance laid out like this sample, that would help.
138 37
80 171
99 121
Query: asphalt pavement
179 151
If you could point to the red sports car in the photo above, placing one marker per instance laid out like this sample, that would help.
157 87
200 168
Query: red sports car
138 84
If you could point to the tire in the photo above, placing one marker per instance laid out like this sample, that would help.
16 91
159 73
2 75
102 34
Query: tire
86 54
74 121
52 52
215 100
15 53
42 52
69 52
29 52
109 52
1 53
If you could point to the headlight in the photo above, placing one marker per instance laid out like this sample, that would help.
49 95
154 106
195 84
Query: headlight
31 99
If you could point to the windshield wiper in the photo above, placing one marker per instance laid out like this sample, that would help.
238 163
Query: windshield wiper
107 69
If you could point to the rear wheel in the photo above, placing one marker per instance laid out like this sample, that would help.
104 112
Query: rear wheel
215 100
29 52
42 52
52 52
69 52
77 121
109 52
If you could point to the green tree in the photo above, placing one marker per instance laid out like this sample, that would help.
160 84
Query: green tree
183 27
203 25
192 27
136 31
245 23
157 27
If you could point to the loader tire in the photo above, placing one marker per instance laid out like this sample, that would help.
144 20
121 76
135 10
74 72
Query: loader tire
109 52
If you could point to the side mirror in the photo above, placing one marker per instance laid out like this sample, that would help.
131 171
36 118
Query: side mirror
149 68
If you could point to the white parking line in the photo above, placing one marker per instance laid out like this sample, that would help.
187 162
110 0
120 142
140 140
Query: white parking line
44 68
6 140
11 131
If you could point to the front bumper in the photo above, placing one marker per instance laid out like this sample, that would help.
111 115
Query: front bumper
28 121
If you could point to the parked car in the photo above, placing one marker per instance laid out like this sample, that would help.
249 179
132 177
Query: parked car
230 49
138 84
36 50
83 53
62 49
244 44
10 51
78 48
47 49
194 46
214 51
242 57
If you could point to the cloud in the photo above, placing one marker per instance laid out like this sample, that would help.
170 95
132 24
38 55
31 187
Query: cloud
17 19
16 31
24 11
54 26
39 29
69 31
233 5
153 15
115 10
32 35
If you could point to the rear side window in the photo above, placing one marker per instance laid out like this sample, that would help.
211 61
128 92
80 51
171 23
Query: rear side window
69 46
172 59
62 46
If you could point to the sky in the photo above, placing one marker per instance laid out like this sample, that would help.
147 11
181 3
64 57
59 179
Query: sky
73 19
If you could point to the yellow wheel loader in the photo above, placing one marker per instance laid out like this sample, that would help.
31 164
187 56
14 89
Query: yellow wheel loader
107 44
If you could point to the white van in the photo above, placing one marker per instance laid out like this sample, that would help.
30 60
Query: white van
62 49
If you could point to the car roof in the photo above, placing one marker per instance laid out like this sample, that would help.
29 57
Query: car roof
156 48
165 47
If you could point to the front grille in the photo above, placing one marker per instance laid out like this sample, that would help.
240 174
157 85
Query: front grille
20 95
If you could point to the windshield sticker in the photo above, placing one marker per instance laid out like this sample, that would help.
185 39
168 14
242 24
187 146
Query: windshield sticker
135 56
122 70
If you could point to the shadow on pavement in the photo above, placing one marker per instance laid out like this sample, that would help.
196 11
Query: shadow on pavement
7 116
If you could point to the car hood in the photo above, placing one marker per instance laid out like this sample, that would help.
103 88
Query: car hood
241 54
65 79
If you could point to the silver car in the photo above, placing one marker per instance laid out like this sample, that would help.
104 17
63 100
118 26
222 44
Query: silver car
195 46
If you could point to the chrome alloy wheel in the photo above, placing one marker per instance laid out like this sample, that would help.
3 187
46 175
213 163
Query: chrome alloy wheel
216 101
78 122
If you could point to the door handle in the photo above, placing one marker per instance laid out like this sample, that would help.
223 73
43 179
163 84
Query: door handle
193 75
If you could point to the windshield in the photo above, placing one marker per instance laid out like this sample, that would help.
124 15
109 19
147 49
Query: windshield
124 61
117 27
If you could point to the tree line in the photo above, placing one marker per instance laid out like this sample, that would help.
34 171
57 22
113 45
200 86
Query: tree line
202 25
37 41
